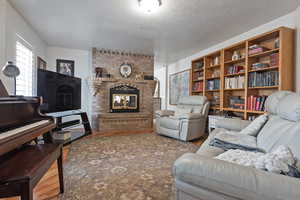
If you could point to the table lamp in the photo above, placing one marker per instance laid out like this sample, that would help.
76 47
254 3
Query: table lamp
12 71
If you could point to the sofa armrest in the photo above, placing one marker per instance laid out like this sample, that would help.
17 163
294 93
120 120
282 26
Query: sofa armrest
164 113
189 116
234 180
232 124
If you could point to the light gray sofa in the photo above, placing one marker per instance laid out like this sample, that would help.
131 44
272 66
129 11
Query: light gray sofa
184 127
198 176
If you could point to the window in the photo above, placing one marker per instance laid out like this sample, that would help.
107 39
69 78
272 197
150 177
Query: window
24 61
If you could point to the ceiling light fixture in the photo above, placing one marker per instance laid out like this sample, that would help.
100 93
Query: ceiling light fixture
149 6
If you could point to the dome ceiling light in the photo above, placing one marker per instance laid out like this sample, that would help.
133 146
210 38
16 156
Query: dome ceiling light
149 6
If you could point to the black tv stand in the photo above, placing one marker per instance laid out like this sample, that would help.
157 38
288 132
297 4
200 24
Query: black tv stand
61 125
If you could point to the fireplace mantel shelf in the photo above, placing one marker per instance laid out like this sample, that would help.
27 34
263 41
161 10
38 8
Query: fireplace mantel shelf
96 83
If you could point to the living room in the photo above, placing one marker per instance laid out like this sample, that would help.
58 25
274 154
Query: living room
149 99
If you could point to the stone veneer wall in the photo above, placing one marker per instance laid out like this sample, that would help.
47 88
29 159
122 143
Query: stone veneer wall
102 119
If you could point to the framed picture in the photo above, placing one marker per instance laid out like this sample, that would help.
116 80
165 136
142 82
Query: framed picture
65 67
179 86
41 64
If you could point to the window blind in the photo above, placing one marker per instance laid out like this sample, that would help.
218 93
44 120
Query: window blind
24 61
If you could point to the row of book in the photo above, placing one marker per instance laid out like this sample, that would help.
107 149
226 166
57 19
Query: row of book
271 61
261 79
237 82
256 48
235 69
213 84
198 86
256 103
236 102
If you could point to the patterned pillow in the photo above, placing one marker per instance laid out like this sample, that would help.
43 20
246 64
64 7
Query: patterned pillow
255 126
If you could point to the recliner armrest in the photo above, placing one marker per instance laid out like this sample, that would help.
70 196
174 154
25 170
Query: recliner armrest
234 180
232 124
164 113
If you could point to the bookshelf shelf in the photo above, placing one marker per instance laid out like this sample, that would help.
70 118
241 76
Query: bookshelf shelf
213 67
255 111
264 69
198 70
197 80
278 52
197 91
234 109
234 89
235 74
212 78
263 87
265 53
235 61
212 90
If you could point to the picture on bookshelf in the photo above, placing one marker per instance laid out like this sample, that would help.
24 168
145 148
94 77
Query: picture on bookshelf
179 86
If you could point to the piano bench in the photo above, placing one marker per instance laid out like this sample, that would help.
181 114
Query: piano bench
21 170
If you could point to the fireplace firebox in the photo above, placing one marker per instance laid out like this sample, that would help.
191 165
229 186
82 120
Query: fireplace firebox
124 99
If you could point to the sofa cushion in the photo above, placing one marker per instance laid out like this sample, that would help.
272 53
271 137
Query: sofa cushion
169 123
255 126
278 131
273 100
289 107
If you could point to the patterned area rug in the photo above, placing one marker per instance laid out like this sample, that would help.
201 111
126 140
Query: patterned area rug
126 167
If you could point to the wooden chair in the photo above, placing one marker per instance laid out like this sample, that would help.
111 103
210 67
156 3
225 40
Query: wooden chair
22 169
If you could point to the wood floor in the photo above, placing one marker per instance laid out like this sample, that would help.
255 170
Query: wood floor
48 187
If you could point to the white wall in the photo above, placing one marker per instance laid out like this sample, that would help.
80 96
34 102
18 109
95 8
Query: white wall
185 63
160 73
15 24
83 69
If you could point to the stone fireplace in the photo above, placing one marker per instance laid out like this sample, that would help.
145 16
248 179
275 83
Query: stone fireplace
122 104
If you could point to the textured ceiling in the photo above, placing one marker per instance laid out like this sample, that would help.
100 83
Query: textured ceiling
177 29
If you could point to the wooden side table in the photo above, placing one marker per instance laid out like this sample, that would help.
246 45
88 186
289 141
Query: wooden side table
212 121
21 170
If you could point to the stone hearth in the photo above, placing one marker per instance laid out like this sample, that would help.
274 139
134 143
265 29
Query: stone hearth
103 118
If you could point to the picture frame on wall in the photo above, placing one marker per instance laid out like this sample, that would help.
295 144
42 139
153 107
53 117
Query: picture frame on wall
65 67
179 86
41 64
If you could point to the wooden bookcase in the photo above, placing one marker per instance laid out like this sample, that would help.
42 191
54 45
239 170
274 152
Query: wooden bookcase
261 65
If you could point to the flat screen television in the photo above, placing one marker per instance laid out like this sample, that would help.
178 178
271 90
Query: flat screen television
60 92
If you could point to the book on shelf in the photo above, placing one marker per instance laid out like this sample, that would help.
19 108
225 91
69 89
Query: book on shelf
198 86
270 61
262 79
213 84
256 103
234 69
236 102
237 82
256 48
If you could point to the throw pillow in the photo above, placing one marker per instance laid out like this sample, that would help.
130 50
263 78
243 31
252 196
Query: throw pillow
182 111
280 161
255 126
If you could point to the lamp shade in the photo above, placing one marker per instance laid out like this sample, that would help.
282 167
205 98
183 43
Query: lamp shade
11 70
